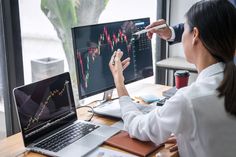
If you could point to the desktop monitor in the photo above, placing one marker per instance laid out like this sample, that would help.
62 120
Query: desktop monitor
94 46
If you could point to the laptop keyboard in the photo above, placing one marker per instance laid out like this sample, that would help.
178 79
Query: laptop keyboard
67 136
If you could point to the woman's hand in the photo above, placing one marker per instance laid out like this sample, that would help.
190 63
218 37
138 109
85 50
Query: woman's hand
172 140
117 66
164 33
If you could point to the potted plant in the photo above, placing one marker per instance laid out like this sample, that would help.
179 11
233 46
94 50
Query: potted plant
65 14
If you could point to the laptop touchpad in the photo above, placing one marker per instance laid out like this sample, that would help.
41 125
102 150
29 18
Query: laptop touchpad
90 140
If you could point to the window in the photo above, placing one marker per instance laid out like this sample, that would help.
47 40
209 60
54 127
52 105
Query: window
2 113
10 63
32 26
2 80
46 36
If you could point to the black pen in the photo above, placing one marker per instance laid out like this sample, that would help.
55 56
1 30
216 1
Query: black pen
113 62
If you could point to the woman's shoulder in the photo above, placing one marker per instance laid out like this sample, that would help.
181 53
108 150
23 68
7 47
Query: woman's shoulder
198 90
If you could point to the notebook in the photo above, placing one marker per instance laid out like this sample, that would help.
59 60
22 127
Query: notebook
123 141
48 120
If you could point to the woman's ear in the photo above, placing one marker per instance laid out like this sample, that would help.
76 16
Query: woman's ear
195 36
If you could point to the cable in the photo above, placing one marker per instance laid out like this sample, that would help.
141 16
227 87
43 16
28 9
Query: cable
78 107
104 101
91 111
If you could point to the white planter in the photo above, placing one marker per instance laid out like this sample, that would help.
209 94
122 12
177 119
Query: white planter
46 67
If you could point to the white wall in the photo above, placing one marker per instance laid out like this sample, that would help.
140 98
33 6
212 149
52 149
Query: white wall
117 10
178 10
2 125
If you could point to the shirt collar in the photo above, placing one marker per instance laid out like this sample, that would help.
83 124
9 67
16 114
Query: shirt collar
211 70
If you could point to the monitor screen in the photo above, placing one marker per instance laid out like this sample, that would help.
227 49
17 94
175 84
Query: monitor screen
94 46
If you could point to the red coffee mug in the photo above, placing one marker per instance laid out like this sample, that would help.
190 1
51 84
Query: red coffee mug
181 78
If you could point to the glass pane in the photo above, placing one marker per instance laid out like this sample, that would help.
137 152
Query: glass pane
2 113
46 30
118 10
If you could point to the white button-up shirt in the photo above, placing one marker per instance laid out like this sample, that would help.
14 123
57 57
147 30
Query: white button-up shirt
195 114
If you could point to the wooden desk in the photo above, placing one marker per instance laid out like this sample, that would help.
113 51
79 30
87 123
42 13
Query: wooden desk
13 145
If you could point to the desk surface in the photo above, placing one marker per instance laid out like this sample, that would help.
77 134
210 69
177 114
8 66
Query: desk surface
13 145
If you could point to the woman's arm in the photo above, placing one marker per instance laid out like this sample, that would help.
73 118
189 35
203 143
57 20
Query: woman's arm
117 66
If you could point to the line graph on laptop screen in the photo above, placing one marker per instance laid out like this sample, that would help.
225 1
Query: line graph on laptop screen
45 105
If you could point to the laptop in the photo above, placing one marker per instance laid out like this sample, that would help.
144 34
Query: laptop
48 120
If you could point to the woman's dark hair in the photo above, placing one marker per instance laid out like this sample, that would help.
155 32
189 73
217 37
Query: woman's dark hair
216 22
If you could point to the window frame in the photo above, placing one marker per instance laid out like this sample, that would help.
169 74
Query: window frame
162 51
13 70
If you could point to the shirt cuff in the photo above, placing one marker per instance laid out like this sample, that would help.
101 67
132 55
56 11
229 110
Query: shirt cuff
172 38
127 104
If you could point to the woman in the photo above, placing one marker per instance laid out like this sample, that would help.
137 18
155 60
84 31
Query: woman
203 115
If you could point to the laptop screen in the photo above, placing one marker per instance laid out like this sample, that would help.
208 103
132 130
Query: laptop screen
45 106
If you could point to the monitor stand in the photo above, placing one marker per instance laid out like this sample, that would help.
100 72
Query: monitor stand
107 96
108 106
